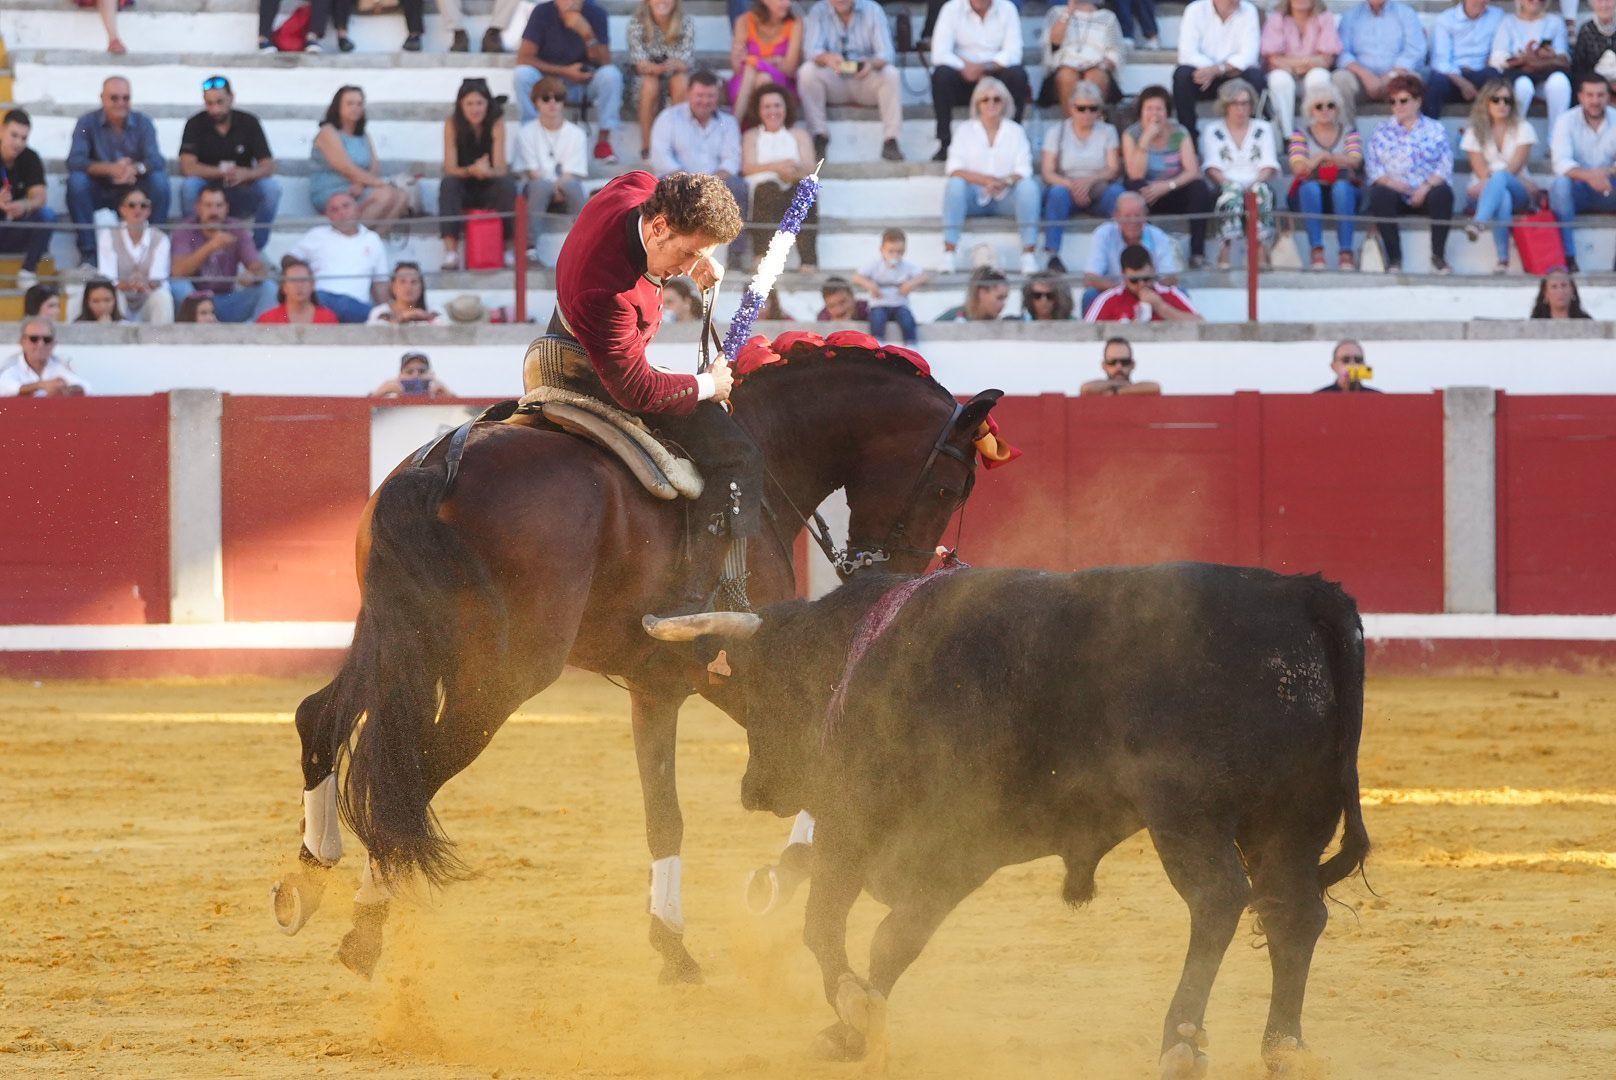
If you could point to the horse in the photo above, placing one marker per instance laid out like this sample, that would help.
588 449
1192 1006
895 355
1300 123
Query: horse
482 578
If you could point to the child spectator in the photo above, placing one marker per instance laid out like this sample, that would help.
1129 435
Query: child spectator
890 279
296 296
840 304
197 308
99 302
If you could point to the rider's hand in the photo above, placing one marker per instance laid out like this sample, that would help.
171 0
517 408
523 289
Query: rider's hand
707 272
723 381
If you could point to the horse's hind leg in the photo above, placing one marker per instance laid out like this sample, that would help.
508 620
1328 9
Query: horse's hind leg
296 897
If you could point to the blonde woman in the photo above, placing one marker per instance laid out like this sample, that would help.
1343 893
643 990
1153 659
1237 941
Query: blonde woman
1499 142
1299 47
1326 158
989 173
1239 155
661 50
1082 43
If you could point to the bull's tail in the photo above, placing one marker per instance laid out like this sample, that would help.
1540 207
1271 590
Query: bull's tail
1336 615
389 691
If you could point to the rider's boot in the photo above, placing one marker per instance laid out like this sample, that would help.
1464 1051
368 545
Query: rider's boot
715 544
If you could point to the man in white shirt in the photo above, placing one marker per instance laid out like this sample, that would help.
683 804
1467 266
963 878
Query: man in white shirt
550 158
1583 150
974 38
695 137
37 372
1218 40
348 259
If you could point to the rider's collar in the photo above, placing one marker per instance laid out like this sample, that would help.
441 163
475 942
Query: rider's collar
637 250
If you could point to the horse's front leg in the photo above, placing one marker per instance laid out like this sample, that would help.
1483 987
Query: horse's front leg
656 729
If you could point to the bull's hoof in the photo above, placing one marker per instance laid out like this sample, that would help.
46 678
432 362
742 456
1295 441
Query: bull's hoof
362 946
839 1042
678 966
1287 1056
1186 1060
296 897
864 1009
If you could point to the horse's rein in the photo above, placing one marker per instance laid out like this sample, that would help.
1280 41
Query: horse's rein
709 336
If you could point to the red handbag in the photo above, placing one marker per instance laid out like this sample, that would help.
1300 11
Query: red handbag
1538 242
291 34
485 240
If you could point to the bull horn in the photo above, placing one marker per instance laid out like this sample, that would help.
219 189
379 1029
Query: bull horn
727 624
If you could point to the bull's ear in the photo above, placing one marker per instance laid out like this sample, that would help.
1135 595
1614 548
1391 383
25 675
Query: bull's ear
974 412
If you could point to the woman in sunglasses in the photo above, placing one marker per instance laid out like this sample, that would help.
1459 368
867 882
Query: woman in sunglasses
1082 164
1046 297
1326 158
1410 172
989 173
136 257
1499 142
1240 157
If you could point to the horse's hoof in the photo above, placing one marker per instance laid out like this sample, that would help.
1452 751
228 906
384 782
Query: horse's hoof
839 1042
295 898
770 888
362 946
678 966
864 1009
1186 1060
1287 1056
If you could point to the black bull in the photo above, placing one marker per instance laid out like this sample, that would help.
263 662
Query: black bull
1007 715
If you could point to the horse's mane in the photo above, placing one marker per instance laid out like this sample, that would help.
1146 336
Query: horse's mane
762 361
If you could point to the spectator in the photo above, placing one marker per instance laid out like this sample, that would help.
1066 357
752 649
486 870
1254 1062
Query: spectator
985 297
568 39
1141 297
840 304
1379 41
40 372
454 24
108 10
98 303
1530 46
772 310
1595 50
1351 373
321 13
345 160
22 198
889 279
661 52
1299 47
114 149
44 301
696 137
197 308
974 39
406 299
1081 167
1326 158
215 254
1240 157
775 154
296 298
498 23
767 48
1218 40
136 256
415 379
1160 163
1499 142
1083 43
224 145
550 160
349 259
1128 226
476 173
1117 362
1557 297
990 174
1044 297
850 60
679 300
1144 11
1410 172
1583 151
1461 41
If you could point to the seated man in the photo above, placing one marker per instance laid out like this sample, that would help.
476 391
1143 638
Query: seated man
1461 39
567 39
840 303
22 198
1583 150
1140 297
1218 40
1128 226
348 259
1351 373
974 38
849 58
114 149
1379 39
209 251
39 372
694 136
223 145
1117 363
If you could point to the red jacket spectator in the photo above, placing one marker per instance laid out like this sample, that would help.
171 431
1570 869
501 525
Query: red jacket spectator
1122 305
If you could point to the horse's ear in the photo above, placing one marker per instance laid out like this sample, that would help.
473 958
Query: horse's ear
974 412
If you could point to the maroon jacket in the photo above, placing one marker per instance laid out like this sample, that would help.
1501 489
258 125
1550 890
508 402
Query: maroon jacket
609 304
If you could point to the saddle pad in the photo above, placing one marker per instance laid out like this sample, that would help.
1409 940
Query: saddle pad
679 476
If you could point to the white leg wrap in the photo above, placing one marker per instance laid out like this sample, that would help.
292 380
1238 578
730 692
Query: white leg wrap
665 903
322 834
802 829
371 889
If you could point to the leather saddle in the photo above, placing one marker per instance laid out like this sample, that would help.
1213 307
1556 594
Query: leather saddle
560 384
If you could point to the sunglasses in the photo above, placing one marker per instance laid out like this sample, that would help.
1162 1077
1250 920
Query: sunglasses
1402 99
1351 358
41 339
1120 361
1503 99
552 97
138 204
1320 106
1085 108
1041 296
1141 279
216 82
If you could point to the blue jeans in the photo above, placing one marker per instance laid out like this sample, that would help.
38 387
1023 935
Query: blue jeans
962 199
239 305
31 243
86 195
1502 197
1127 9
258 200
1568 198
603 91
345 307
899 314
1059 206
1312 197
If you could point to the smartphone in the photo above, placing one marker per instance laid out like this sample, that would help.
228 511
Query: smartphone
415 386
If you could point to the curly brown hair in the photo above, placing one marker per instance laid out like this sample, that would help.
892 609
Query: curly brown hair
695 204
754 119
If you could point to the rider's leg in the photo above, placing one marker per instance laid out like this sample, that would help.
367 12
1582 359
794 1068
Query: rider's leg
730 508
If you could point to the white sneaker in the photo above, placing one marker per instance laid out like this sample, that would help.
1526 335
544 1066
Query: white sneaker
1153 43
451 261
950 262
26 279
510 259
1029 262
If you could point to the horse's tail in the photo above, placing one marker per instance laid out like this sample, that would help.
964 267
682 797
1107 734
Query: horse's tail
1336 616
389 691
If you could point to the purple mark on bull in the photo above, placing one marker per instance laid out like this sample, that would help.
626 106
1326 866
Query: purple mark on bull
870 629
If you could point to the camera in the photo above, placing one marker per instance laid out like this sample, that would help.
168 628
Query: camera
852 67
1359 373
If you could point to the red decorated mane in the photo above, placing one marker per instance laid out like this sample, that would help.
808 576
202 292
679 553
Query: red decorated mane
759 352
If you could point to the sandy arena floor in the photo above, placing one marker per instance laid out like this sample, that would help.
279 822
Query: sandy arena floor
141 825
